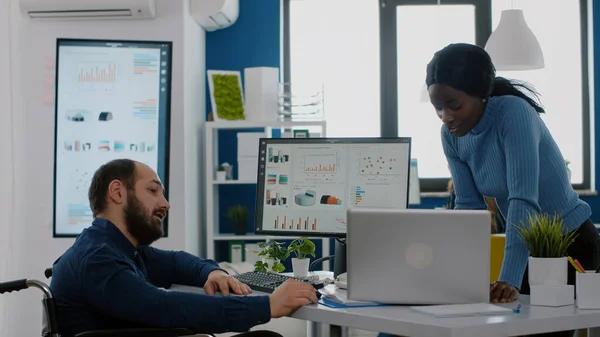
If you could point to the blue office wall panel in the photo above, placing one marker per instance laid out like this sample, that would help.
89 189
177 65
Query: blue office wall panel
252 41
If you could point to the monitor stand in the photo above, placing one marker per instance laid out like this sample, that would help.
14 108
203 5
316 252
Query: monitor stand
339 259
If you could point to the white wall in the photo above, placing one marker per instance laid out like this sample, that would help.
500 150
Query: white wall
33 52
6 171
194 112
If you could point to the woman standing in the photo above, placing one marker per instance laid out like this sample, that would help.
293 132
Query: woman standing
498 146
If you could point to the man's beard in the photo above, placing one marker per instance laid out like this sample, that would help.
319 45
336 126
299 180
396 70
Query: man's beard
141 225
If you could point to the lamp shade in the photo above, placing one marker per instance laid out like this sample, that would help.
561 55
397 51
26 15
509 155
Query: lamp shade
512 46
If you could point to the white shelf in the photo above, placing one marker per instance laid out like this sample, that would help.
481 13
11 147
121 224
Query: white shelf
251 237
211 188
259 124
233 182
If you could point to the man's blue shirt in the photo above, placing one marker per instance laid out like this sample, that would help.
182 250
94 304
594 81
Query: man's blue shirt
104 282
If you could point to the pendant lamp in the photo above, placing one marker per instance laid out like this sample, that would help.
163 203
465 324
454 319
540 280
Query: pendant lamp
512 46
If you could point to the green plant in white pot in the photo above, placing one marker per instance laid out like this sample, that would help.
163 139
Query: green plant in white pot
302 248
272 254
547 242
221 173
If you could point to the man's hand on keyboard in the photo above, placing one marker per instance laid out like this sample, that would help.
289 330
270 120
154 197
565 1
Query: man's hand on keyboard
291 295
218 280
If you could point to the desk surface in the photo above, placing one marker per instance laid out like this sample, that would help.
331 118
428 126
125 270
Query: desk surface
400 320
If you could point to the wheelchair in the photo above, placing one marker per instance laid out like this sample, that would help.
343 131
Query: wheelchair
50 326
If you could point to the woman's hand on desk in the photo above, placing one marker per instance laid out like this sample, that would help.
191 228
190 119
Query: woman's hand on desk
502 292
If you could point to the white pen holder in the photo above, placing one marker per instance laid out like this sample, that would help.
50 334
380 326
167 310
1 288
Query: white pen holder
551 295
588 290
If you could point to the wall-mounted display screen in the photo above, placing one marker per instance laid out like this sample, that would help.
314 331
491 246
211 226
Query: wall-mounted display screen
112 101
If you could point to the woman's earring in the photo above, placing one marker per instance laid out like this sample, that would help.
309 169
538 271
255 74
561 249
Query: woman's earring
484 100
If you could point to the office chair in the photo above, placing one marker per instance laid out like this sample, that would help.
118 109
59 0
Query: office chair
50 320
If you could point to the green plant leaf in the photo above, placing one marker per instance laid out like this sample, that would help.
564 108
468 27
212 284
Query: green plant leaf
544 235
278 267
302 247
261 266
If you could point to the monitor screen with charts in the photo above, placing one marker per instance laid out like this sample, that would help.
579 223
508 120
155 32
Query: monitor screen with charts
112 101
306 185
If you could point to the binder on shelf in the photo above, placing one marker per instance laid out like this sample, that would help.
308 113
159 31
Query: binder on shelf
237 251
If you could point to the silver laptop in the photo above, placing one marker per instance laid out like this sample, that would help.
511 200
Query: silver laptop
418 256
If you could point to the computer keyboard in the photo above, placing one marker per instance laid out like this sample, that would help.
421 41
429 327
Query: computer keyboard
267 282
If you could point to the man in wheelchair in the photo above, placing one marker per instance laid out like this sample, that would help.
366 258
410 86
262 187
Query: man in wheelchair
111 278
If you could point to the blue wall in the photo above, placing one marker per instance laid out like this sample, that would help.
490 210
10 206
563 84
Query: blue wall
253 41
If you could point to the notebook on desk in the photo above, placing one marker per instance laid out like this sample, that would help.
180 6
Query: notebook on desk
334 297
457 310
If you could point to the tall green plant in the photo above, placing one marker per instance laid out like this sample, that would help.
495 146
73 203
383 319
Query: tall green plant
543 235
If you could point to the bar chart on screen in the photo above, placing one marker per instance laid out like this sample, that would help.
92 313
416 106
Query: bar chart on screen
320 163
298 223
374 195
97 76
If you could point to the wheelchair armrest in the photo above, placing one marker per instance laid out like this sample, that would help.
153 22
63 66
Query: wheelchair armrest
141 332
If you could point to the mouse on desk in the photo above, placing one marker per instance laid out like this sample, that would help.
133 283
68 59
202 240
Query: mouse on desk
341 281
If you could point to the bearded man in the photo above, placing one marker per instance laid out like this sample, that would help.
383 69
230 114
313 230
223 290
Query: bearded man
111 278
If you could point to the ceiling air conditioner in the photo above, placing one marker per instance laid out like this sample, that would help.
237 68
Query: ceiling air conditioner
215 14
88 9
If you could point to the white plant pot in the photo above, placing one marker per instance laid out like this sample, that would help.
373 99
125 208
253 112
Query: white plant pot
548 271
300 267
221 175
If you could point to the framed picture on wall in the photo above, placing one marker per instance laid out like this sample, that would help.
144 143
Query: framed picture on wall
112 101
226 95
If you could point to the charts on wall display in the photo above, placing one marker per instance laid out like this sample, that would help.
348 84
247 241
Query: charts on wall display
308 185
112 101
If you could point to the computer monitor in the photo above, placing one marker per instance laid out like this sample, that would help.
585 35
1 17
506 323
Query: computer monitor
306 185
112 101
414 185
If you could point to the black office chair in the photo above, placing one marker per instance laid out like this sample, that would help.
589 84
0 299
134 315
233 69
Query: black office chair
50 319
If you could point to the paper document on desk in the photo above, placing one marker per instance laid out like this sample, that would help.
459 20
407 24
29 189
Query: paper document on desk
457 310
335 297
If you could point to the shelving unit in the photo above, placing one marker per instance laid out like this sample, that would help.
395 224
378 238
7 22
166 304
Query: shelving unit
210 196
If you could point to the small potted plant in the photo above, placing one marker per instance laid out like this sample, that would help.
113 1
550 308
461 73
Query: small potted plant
238 214
221 173
302 248
272 253
547 242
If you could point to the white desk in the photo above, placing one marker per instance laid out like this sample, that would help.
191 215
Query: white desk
402 321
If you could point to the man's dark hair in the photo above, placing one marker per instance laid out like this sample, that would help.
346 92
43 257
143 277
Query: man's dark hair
118 169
